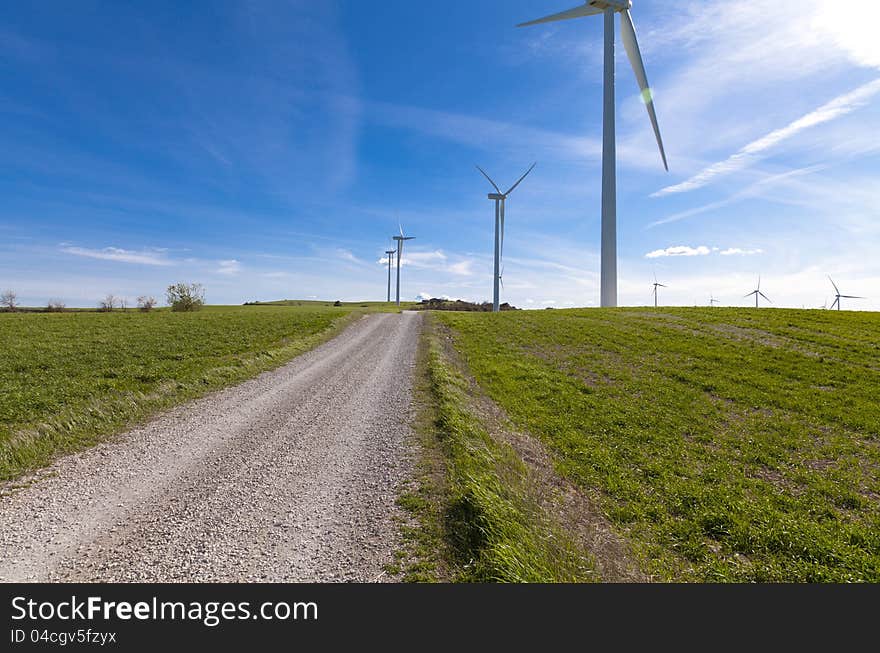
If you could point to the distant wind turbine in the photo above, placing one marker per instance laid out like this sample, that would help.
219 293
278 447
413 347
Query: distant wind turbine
609 157
838 296
756 292
390 253
500 198
713 301
400 240
656 284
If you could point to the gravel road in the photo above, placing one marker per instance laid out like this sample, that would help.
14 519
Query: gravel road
291 476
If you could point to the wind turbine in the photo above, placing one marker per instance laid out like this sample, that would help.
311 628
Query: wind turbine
390 254
713 301
656 284
838 296
499 198
400 240
757 292
609 157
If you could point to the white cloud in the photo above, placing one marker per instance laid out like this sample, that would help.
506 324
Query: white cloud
853 30
738 251
422 296
229 267
680 250
754 190
145 257
424 259
463 268
746 156
347 255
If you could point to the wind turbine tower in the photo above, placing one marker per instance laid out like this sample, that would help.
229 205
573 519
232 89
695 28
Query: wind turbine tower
499 199
838 296
609 157
656 285
390 254
400 240
757 292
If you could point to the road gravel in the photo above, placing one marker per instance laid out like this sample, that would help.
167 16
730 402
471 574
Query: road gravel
291 476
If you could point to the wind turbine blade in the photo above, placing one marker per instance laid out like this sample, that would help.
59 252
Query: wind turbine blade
851 297
400 226
836 289
750 294
835 302
628 34
494 185
662 285
520 179
577 12
765 297
759 282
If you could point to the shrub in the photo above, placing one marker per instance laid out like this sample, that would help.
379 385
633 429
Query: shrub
9 299
146 303
185 296
55 306
107 304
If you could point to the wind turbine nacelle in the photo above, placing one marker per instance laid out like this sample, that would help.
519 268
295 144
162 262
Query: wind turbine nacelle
496 196
608 4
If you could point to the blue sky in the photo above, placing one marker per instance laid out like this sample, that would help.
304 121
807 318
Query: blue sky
268 150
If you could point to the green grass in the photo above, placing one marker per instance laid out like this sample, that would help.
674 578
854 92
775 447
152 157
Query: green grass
725 444
481 522
70 379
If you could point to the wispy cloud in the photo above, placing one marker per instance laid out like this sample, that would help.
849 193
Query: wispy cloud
144 257
739 251
839 106
680 250
702 250
463 268
753 190
481 132
230 267
346 255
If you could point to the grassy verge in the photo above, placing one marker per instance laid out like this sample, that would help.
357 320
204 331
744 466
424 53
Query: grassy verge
71 379
479 520
725 444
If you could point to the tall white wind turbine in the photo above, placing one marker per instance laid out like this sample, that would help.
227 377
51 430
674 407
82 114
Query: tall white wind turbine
609 157
500 198
656 285
838 296
757 292
400 240
390 254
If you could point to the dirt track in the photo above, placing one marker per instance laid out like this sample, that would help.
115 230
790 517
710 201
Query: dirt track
291 476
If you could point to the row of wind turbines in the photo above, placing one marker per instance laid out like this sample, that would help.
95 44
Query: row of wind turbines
608 264
757 293
608 277
498 277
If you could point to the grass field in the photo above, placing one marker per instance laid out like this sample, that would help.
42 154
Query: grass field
722 444
481 511
70 379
